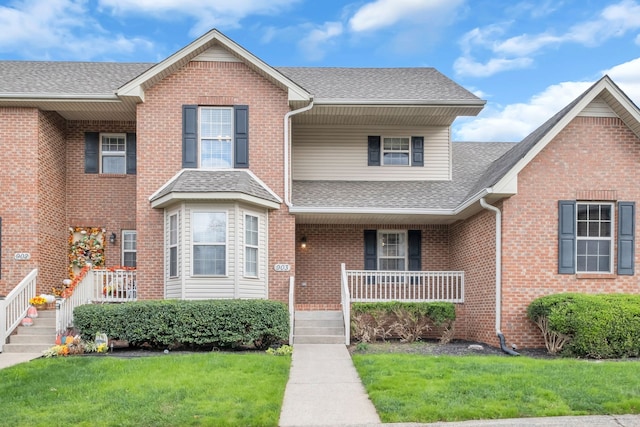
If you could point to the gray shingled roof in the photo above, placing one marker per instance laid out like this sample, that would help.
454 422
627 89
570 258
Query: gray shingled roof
470 160
212 181
66 78
424 84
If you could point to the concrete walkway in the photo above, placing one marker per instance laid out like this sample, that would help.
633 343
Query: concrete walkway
10 359
324 389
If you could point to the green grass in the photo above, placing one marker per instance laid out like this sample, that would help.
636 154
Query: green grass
418 388
207 389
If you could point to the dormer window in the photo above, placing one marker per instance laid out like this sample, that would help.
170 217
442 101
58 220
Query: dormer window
396 151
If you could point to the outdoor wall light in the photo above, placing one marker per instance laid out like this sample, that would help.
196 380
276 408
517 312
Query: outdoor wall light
112 238
303 242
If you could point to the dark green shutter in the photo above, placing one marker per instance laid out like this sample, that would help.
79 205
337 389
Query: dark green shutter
241 140
417 151
566 237
626 237
370 250
189 136
131 153
373 151
414 238
91 152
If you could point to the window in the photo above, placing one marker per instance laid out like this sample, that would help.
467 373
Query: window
173 245
216 137
392 250
113 152
209 243
251 245
395 151
594 240
129 248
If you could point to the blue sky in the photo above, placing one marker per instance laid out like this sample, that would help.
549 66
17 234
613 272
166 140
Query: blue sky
526 58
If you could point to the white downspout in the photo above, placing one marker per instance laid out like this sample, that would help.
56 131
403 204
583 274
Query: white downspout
498 213
287 199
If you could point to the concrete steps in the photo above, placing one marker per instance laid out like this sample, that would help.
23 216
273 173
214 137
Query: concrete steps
36 338
318 327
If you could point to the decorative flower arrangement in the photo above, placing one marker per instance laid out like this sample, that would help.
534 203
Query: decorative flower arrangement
73 344
88 248
66 290
39 300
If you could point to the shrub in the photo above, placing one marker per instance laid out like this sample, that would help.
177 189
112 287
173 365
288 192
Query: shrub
595 326
407 320
175 323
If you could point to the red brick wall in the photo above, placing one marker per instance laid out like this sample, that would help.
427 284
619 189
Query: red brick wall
329 245
473 251
52 224
160 147
18 193
97 200
588 156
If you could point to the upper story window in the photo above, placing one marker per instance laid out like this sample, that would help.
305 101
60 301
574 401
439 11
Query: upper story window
216 137
594 238
110 153
395 151
129 248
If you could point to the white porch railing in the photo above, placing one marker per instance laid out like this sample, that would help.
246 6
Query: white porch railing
14 306
346 304
98 286
409 286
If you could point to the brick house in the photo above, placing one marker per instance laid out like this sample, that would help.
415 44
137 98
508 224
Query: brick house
217 175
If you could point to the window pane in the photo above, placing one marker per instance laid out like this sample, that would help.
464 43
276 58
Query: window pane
208 260
113 164
113 143
593 212
173 261
251 230
392 264
581 263
129 259
251 263
215 123
592 263
215 153
605 229
129 241
582 229
605 213
209 227
594 229
173 229
582 212
396 158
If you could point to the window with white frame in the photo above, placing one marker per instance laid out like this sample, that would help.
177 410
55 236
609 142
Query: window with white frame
594 240
396 151
392 250
251 245
113 151
216 137
173 245
129 248
209 243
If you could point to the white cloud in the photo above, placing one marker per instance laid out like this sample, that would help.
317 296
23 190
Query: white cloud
59 28
514 122
385 13
319 39
208 14
613 21
627 77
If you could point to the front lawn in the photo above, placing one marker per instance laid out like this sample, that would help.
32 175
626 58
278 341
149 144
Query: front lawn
418 388
221 389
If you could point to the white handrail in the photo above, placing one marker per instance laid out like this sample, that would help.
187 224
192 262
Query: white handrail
82 294
14 306
346 304
292 307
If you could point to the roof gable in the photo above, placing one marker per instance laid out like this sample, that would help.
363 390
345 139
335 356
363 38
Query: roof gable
502 174
214 38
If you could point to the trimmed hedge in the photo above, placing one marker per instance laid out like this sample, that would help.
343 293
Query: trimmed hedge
176 323
597 326
406 320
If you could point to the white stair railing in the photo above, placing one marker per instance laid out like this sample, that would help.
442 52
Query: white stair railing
14 306
346 304
82 294
292 307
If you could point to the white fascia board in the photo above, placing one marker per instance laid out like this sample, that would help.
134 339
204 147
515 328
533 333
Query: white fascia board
409 102
380 211
174 197
57 97
134 87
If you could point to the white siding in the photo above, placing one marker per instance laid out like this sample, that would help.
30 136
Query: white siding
216 54
249 287
598 108
340 153
173 286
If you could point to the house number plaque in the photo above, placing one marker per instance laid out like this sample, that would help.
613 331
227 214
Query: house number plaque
282 267
22 256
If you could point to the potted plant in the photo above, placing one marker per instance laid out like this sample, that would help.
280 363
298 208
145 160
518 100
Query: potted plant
38 302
